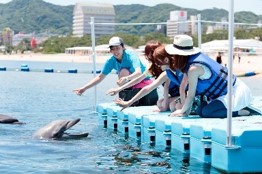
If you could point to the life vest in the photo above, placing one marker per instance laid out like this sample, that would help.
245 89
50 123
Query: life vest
216 85
175 80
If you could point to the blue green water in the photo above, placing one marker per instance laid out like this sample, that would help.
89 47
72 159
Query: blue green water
38 98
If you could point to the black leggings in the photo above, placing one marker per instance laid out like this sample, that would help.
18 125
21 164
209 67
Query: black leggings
215 109
148 100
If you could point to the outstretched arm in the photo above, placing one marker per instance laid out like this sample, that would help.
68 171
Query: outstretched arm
132 76
182 88
93 82
144 91
131 83
193 75
165 104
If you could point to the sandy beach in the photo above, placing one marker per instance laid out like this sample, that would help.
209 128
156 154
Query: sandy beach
247 63
53 58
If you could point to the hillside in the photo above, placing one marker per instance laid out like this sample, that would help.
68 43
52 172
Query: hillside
39 16
36 16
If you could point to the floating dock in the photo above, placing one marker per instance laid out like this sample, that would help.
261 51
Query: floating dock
201 138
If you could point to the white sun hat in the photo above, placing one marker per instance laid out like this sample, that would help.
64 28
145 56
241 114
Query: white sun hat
182 45
115 41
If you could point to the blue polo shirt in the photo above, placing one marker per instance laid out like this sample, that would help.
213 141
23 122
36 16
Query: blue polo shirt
130 61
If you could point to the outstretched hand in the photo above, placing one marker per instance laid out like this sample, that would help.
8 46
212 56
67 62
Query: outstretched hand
122 103
79 91
112 91
121 81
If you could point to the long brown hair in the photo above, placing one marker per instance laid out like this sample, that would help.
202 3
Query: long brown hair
149 50
175 61
181 62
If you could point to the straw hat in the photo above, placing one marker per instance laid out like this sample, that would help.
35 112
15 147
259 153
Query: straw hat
182 45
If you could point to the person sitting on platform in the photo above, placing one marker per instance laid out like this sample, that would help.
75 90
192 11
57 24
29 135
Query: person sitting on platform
205 77
129 66
171 89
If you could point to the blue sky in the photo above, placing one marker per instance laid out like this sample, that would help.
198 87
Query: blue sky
240 5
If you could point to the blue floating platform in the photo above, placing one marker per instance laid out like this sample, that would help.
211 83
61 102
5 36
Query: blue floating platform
180 128
202 139
103 113
122 121
135 119
112 117
244 156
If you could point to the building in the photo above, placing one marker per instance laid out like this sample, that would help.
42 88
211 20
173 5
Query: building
7 37
102 13
177 24
193 25
161 28
18 38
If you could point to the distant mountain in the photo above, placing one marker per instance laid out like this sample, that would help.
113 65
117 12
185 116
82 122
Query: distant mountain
38 16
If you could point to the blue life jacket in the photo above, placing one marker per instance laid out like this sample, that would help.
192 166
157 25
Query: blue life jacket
175 80
216 85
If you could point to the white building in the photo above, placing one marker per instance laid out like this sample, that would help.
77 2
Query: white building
193 25
102 13
177 24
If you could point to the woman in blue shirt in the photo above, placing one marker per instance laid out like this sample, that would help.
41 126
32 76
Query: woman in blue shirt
129 66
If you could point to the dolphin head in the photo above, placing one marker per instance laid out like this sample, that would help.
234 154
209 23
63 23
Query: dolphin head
57 130
6 119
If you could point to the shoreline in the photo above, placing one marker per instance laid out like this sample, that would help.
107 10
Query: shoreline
53 58
246 65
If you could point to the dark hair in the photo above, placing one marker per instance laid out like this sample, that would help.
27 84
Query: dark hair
149 50
122 44
175 61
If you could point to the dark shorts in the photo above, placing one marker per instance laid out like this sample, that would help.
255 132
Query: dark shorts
148 100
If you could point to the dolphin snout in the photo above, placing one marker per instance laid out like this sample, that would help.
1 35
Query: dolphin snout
72 123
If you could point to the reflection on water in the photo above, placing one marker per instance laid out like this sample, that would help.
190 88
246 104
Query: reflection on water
38 98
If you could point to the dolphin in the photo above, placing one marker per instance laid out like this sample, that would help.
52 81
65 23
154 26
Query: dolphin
56 130
6 119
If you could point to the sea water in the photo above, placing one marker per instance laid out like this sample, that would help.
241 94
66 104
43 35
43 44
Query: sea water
37 98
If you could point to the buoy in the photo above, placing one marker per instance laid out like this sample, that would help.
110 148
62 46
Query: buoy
2 68
26 69
49 70
97 71
24 65
72 71
250 74
247 74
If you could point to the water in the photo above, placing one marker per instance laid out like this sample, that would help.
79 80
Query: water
38 98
